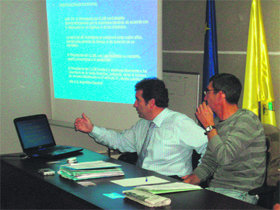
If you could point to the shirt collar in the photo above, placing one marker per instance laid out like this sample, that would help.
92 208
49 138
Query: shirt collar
160 117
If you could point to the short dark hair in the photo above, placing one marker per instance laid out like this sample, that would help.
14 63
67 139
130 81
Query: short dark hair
153 88
229 84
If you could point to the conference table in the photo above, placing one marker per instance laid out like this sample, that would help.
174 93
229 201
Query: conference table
22 187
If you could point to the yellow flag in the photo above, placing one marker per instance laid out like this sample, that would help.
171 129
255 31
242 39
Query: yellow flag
258 90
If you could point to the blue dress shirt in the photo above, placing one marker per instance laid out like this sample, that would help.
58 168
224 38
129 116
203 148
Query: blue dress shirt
170 149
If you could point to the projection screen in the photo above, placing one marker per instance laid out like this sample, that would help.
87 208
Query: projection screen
99 49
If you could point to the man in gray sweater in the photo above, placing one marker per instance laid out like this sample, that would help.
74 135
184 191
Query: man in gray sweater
235 155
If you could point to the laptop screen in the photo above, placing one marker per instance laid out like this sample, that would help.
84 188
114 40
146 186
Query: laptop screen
34 131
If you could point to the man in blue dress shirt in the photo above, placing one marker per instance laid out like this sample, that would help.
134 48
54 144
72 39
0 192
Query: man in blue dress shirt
169 144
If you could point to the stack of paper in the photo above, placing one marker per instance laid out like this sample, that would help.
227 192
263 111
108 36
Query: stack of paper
146 180
90 170
169 188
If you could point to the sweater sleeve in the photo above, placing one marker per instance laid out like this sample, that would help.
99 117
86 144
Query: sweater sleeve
207 166
233 139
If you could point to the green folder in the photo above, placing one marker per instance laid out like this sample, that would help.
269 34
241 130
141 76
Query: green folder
90 170
90 174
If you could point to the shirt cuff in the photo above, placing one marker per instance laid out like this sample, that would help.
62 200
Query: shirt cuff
96 131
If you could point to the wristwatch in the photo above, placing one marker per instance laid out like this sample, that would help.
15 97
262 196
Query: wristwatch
209 129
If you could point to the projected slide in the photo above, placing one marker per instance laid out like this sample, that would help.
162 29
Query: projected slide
101 48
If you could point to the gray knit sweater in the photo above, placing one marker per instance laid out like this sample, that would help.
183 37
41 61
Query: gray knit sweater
236 156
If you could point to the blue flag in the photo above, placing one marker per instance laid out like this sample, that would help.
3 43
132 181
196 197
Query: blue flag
210 63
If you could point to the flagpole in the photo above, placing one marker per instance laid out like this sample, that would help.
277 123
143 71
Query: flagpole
260 111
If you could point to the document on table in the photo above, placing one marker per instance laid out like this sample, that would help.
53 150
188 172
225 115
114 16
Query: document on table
90 170
169 188
91 165
139 181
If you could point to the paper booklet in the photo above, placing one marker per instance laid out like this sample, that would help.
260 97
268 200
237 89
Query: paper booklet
169 188
90 165
90 170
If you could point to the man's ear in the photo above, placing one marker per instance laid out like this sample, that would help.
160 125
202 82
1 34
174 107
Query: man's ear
222 95
152 103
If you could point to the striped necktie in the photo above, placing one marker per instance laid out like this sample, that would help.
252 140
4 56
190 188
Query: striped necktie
143 152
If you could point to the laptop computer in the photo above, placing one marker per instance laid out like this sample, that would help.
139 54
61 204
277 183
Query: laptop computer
37 140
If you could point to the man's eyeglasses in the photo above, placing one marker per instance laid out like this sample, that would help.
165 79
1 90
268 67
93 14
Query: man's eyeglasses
206 91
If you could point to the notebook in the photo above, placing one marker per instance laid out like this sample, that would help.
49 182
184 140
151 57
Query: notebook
37 140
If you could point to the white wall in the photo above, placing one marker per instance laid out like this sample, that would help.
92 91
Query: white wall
24 68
